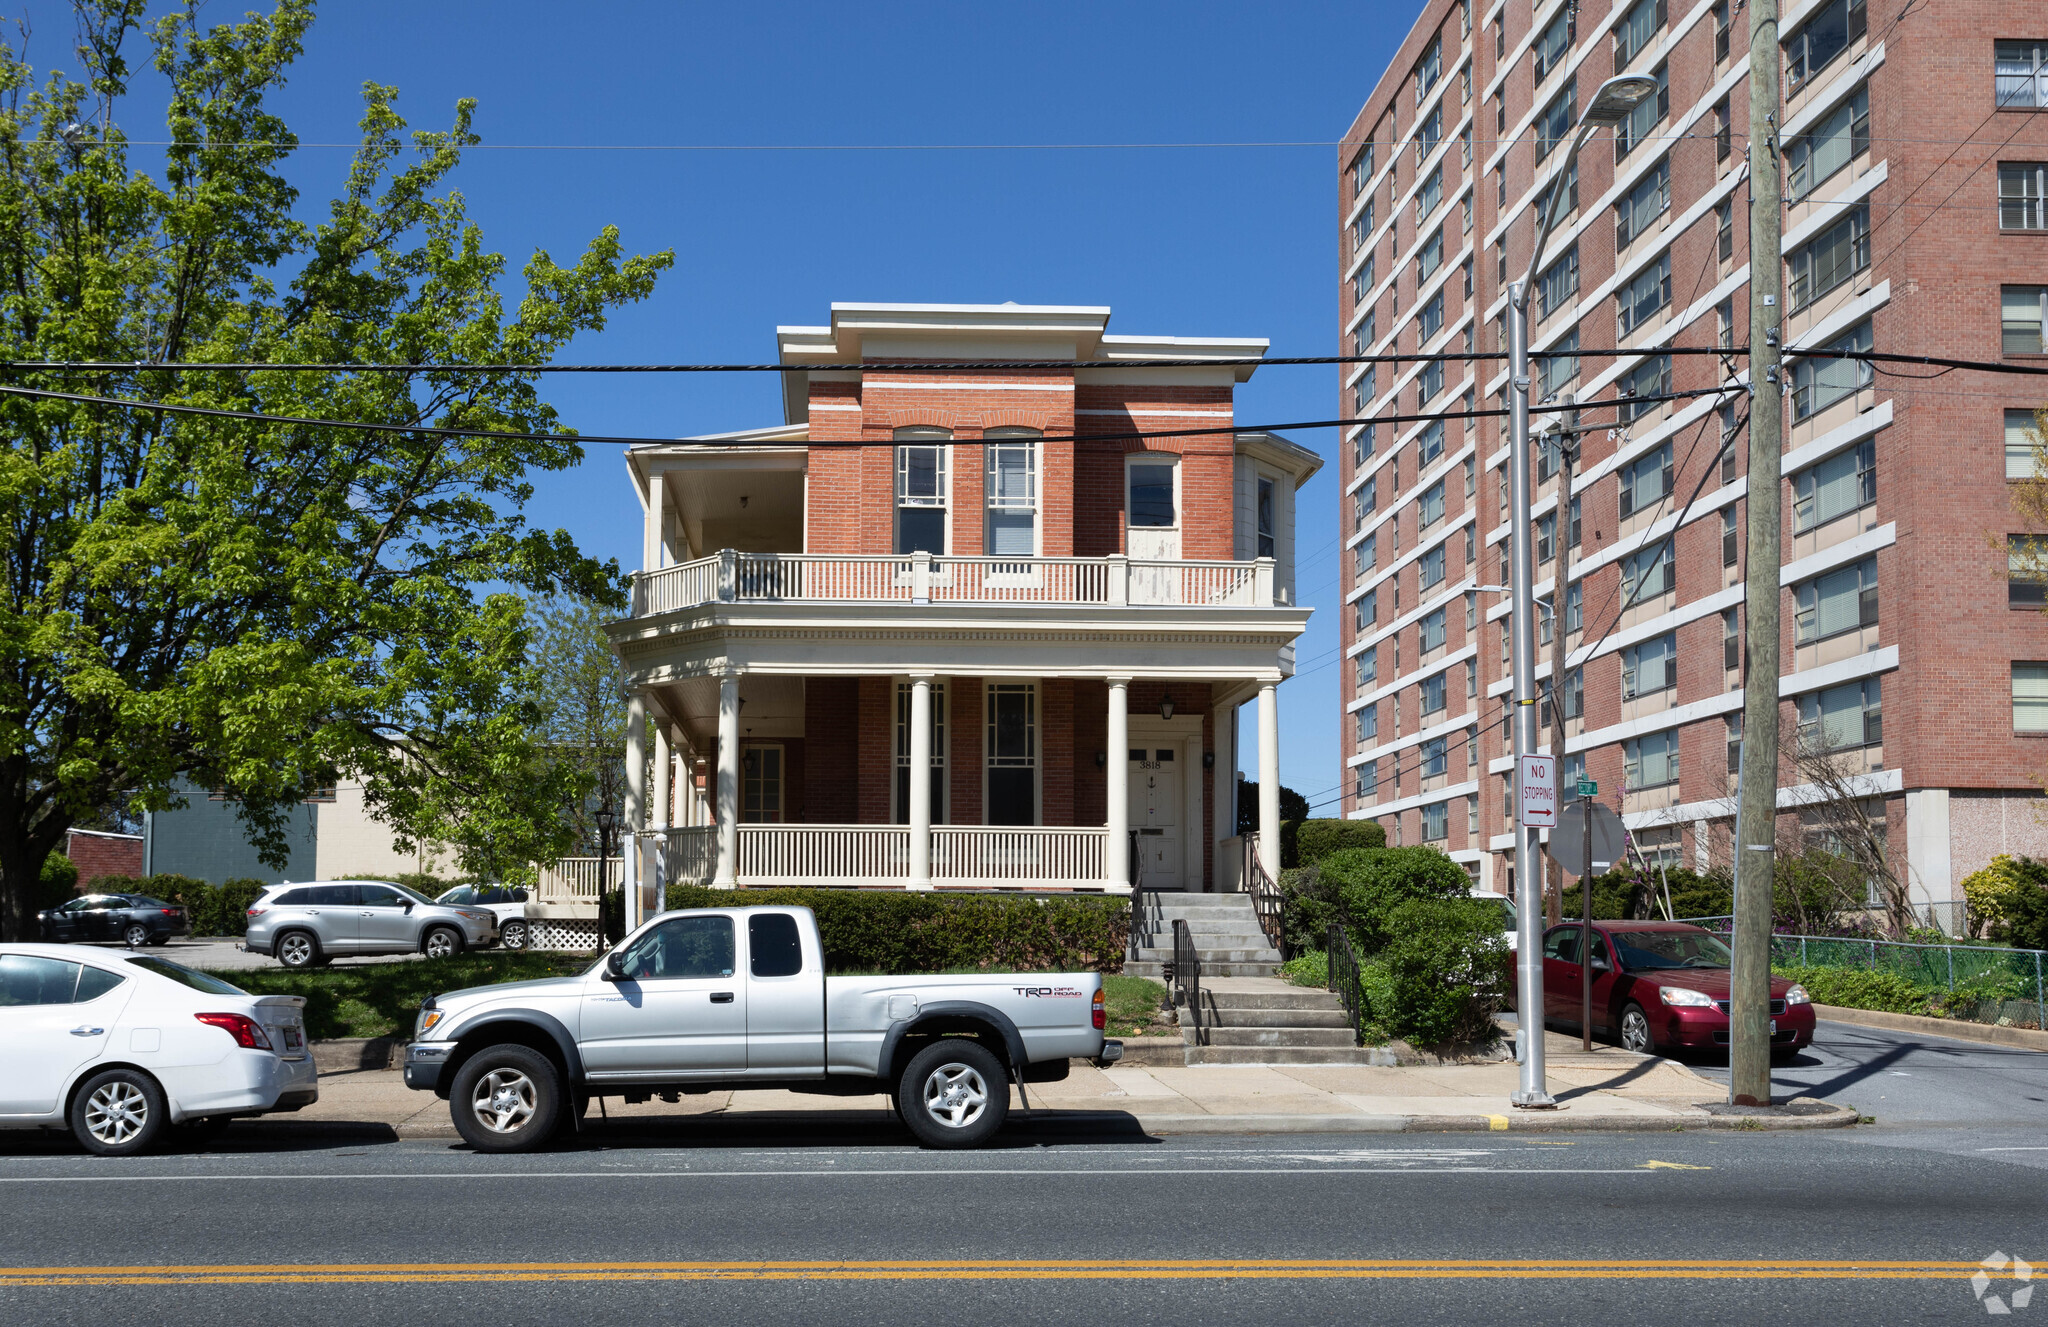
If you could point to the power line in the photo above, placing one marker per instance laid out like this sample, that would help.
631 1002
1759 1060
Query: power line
427 430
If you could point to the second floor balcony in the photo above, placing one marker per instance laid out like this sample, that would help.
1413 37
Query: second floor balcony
1115 581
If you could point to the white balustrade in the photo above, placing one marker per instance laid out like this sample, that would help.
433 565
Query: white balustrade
691 854
1017 857
824 855
575 879
791 577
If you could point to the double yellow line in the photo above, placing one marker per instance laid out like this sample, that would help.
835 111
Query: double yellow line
1686 1269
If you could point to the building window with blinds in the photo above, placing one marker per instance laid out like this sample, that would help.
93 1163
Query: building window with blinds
2022 434
2022 73
1825 262
2023 195
1819 382
2030 697
1011 457
1650 761
1813 158
2021 312
1645 481
1650 667
1647 574
1843 600
2026 571
1843 717
921 489
1840 486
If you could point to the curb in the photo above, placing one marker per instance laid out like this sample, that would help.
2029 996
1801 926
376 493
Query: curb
1952 1028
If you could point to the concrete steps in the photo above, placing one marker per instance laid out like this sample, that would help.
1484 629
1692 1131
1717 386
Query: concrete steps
1292 1038
1325 1055
1157 970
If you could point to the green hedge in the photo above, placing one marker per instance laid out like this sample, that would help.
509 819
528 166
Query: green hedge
1847 988
221 909
1317 839
891 931
1371 883
1449 971
56 883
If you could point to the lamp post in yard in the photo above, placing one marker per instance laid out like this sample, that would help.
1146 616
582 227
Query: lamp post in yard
1611 104
607 820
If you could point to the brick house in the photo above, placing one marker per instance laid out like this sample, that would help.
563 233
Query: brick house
942 569
97 852
1915 163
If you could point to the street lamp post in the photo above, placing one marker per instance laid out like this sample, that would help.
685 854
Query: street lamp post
607 820
1611 104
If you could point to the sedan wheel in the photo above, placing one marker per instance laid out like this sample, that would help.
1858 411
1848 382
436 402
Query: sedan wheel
137 935
118 1113
513 935
1635 1031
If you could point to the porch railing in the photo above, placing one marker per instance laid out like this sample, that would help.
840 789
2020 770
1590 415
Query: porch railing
733 577
575 880
1265 892
691 854
824 855
1023 857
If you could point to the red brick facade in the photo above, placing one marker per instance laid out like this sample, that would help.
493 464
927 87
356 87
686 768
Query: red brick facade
96 854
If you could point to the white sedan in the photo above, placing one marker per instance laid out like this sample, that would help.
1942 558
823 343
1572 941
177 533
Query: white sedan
121 1046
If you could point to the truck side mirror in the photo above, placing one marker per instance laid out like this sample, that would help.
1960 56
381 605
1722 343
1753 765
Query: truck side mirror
615 966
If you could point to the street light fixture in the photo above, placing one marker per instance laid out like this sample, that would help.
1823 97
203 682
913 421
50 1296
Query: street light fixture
607 822
1612 103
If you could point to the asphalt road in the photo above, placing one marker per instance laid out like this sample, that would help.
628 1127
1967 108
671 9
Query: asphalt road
1908 1078
858 1227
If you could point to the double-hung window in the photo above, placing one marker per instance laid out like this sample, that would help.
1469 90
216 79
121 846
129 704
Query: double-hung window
2023 195
1436 822
1361 170
1012 468
1365 610
1844 483
1823 38
2026 571
1368 668
1650 761
1368 779
2020 436
1429 69
1367 554
1844 599
1828 259
1549 49
1431 195
1363 280
1649 379
1640 208
2021 311
1844 717
1570 185
1429 322
921 490
1648 573
1368 723
1430 631
1429 444
1645 481
1650 667
1559 366
2030 697
1557 283
2022 73
1267 514
1640 299
1645 116
1429 133
1557 119
1429 569
1429 257
1818 381
1434 692
1842 135
1637 29
1430 381
1012 753
1430 508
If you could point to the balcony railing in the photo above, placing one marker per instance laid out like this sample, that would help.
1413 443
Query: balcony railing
922 578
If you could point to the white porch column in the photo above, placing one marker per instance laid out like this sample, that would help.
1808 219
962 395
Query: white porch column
1269 778
1116 860
920 781
726 873
1222 787
636 804
664 760
657 518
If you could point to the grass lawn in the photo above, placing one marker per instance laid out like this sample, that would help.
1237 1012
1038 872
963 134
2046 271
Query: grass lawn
382 999
1133 1004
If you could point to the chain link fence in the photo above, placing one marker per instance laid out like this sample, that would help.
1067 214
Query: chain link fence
2007 983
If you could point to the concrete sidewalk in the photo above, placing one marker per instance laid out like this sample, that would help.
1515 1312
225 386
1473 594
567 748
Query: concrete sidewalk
1610 1089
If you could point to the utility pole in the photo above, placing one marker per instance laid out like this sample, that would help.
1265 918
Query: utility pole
1749 1052
1567 461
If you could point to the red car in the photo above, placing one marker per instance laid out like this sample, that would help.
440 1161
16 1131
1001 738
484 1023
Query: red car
1669 990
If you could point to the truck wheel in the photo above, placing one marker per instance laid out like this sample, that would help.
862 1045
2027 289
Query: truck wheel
954 1094
506 1099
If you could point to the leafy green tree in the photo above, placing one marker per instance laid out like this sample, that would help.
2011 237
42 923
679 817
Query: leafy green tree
1371 883
257 606
579 687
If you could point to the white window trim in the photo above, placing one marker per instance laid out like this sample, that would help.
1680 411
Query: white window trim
1134 459
1037 744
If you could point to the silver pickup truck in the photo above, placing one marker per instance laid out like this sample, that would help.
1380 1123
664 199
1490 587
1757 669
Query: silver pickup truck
736 998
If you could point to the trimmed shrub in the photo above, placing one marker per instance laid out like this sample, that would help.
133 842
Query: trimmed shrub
1448 970
1308 905
1994 891
1317 839
1370 883
56 883
2026 911
890 931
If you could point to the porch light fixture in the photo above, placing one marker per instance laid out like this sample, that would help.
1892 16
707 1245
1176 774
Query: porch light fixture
1102 760
1166 706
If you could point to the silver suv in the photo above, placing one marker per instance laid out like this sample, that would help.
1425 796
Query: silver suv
305 925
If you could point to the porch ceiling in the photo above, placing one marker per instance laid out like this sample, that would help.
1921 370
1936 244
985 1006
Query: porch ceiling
771 705
749 502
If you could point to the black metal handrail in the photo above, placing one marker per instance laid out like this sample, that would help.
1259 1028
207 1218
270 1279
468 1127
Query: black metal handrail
1345 980
1266 903
1187 978
1144 911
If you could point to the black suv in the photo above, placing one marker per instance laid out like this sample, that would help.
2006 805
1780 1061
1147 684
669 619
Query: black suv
136 919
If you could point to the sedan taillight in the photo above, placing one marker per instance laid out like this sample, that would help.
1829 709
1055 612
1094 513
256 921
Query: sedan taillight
246 1031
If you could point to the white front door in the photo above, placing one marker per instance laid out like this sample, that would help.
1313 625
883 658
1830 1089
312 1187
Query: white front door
1155 808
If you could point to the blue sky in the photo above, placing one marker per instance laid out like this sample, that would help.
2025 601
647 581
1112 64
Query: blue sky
1199 242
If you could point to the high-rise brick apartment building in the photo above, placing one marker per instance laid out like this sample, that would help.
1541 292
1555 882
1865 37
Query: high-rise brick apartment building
1914 221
